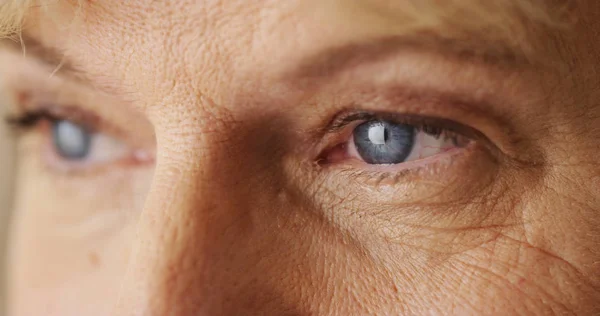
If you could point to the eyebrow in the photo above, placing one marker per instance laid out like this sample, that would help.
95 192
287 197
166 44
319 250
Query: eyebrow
326 63
508 33
331 61
58 62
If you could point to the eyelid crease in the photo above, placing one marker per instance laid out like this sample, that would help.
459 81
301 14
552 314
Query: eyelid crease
340 122
426 123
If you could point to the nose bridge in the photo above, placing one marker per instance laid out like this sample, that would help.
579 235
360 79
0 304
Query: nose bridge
180 231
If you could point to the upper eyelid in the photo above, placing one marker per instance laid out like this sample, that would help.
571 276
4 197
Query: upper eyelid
410 119
46 110
341 121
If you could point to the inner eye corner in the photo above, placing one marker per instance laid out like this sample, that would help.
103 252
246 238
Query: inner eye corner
331 154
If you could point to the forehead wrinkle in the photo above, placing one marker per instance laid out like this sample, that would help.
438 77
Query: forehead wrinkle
508 26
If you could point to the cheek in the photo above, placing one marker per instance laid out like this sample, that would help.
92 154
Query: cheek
303 266
517 276
70 238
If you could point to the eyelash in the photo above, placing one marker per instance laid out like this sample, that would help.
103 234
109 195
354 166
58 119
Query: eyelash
433 126
31 119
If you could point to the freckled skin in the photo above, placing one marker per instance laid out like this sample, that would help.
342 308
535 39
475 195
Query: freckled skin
234 218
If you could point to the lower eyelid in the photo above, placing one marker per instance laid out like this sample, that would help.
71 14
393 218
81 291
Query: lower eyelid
413 164
437 169
57 165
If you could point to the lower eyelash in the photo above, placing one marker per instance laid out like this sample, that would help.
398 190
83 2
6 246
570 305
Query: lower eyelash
375 178
381 175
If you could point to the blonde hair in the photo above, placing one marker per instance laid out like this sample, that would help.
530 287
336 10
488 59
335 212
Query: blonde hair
12 13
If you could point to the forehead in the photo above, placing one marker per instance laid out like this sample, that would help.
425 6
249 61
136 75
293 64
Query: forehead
154 46
503 20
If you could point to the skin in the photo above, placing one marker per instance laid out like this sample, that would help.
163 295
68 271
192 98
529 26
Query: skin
221 206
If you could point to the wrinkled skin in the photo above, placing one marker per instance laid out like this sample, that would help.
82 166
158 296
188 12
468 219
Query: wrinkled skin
231 213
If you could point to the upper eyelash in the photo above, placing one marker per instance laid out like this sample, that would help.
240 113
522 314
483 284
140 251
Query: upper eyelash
432 126
30 119
341 121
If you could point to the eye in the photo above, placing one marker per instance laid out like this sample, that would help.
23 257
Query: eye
75 141
75 145
393 139
385 142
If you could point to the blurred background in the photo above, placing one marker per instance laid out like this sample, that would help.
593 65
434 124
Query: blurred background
6 192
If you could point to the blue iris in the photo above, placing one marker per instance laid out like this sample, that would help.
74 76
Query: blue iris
71 141
382 142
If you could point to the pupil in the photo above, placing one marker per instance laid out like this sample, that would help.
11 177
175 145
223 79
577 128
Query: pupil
71 141
382 142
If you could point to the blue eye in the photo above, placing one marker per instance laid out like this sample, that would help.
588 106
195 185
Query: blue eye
71 141
382 142
76 145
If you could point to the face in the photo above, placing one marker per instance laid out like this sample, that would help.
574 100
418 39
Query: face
305 158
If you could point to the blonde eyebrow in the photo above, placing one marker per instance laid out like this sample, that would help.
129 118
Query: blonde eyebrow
494 18
57 62
331 61
498 32
501 33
